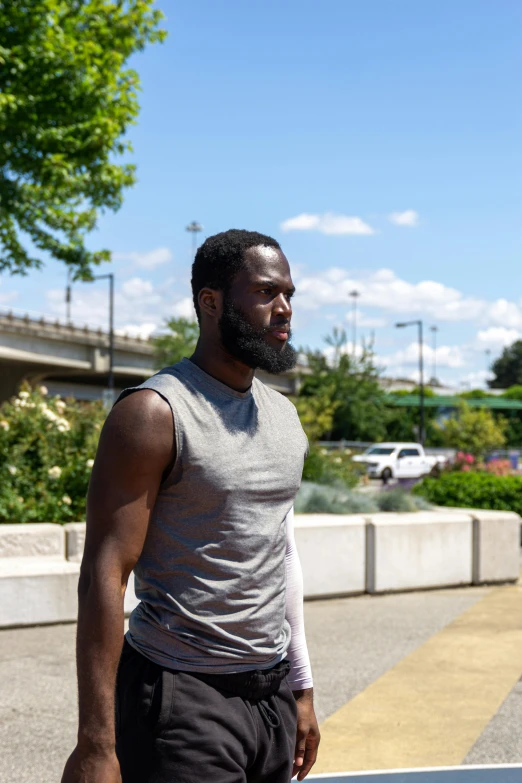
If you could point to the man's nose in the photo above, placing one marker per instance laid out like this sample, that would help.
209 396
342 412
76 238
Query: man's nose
282 306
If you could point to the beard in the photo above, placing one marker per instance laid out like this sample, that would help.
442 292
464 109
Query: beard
249 345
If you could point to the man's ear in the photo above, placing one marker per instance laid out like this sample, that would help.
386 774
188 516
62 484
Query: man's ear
211 302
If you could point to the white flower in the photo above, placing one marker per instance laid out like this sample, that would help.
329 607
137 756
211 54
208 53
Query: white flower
16 403
324 451
4 425
44 391
20 500
55 472
60 406
12 470
63 425
338 460
67 500
90 463
23 395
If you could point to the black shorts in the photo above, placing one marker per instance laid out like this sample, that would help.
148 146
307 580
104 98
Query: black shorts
179 727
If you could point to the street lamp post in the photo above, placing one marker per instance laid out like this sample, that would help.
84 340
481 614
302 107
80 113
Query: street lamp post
68 297
355 295
194 228
434 330
421 373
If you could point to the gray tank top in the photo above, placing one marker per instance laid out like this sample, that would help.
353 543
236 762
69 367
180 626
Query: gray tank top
211 576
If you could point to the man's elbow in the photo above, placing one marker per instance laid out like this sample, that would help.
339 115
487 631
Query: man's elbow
96 577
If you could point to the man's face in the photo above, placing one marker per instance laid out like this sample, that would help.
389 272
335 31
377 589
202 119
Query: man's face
255 323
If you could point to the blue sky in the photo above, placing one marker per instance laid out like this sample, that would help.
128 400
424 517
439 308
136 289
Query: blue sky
379 141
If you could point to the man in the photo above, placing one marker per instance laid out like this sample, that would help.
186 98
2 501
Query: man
193 488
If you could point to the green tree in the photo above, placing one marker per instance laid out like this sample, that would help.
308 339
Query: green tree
316 413
473 430
349 388
513 418
66 101
178 342
508 367
403 423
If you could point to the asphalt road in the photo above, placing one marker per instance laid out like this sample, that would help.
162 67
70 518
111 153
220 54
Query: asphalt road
355 643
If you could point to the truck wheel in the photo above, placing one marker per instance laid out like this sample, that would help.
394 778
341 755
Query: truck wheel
386 475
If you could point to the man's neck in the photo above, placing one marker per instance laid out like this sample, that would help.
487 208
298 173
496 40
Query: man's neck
217 362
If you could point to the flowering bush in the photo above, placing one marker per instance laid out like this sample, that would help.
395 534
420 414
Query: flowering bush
499 467
47 448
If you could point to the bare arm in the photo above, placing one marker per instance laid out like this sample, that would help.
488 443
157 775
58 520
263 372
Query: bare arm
136 448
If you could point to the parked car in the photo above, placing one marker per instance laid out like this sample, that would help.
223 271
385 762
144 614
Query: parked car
398 460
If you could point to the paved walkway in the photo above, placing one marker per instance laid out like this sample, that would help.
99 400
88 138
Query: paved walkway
412 680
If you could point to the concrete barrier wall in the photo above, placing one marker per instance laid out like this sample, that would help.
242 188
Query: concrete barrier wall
332 552
340 555
411 551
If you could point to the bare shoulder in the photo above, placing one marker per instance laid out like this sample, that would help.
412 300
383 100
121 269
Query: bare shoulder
140 425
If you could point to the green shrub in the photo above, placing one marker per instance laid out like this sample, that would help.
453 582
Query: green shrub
396 500
334 467
47 447
319 499
473 490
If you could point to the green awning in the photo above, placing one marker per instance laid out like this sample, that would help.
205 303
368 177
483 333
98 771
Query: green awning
413 401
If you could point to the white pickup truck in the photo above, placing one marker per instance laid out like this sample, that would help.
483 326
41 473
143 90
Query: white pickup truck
397 460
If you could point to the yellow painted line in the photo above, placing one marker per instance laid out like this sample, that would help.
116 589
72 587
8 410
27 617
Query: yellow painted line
430 709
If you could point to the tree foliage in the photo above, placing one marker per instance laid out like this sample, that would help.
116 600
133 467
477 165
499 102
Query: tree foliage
66 100
474 430
347 388
179 341
507 368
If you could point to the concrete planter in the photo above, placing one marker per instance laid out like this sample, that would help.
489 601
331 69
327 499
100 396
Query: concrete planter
340 555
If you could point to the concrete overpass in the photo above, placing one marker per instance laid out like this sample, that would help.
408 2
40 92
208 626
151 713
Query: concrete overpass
74 361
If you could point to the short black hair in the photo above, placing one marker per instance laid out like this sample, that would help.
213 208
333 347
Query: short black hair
220 258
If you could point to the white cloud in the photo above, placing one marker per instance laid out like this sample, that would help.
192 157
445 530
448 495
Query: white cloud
140 307
504 313
383 289
148 260
497 337
184 309
475 380
407 218
329 223
137 288
451 356
365 321
142 330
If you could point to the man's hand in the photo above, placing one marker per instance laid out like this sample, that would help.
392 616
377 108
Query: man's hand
308 736
94 766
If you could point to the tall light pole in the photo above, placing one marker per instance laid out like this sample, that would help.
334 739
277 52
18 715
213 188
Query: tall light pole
421 373
355 295
68 292
434 330
194 228
110 381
